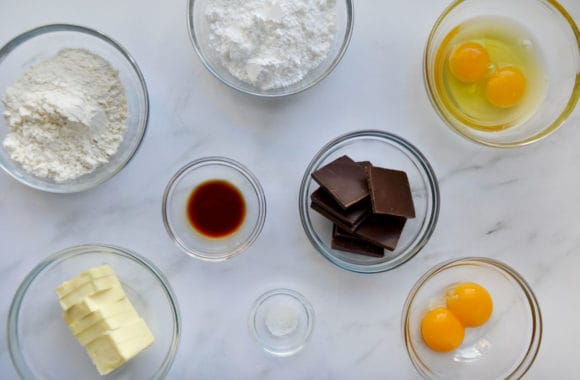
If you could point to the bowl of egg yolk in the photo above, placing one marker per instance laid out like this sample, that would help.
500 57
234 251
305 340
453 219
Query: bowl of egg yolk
472 318
503 73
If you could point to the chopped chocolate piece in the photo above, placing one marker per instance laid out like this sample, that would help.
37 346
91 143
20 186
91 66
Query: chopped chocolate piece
365 164
327 215
381 230
344 180
390 192
344 241
352 216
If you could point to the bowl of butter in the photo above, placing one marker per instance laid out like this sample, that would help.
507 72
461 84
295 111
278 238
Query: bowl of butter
94 311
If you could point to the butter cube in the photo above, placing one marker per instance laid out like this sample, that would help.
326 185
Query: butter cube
93 303
102 318
123 306
86 276
114 348
88 289
108 324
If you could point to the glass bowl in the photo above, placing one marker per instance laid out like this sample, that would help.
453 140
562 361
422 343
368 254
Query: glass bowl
199 34
558 41
281 321
175 200
385 150
503 348
36 45
41 345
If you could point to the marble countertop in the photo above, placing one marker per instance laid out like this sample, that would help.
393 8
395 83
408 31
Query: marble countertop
520 206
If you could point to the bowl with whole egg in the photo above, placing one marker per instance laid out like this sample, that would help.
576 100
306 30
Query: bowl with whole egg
472 318
74 108
270 49
496 77
384 237
51 341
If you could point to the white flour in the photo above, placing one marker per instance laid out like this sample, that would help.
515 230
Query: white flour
271 43
66 115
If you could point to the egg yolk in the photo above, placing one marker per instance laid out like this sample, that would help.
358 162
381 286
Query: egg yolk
470 303
441 330
469 62
506 87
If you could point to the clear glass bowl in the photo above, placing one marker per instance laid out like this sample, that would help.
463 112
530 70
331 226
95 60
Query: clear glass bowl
503 348
558 40
42 346
281 321
198 30
385 150
36 45
176 196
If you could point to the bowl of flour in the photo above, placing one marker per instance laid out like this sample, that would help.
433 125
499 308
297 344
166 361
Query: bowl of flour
73 108
270 48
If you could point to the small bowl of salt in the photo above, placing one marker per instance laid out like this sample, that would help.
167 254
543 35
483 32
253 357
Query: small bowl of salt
281 321
74 106
270 48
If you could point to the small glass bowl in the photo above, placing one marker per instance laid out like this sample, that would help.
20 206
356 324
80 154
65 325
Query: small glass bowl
559 44
198 31
281 321
385 150
177 194
36 45
41 345
503 348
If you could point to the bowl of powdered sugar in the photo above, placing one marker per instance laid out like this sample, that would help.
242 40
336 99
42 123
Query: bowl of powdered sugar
270 47
74 108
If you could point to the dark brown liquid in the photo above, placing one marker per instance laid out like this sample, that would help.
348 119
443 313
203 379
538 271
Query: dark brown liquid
216 208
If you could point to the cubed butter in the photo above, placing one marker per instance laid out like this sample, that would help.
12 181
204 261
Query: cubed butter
86 276
103 319
123 306
88 289
93 303
108 324
111 350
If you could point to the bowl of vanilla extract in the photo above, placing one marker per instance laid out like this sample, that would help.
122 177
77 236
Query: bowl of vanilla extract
214 208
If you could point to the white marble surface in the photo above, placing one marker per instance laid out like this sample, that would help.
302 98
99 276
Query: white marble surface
520 206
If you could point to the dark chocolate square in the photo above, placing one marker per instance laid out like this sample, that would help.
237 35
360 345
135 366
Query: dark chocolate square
365 165
390 192
322 211
351 216
344 180
345 241
381 230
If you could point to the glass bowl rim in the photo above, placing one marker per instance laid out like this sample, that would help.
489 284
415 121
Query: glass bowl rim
256 187
13 341
50 28
555 125
310 314
427 173
534 347
256 92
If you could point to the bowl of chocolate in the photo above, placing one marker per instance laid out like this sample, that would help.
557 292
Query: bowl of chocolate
369 201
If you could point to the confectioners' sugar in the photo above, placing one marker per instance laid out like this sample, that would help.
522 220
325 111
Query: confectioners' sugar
271 43
66 115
